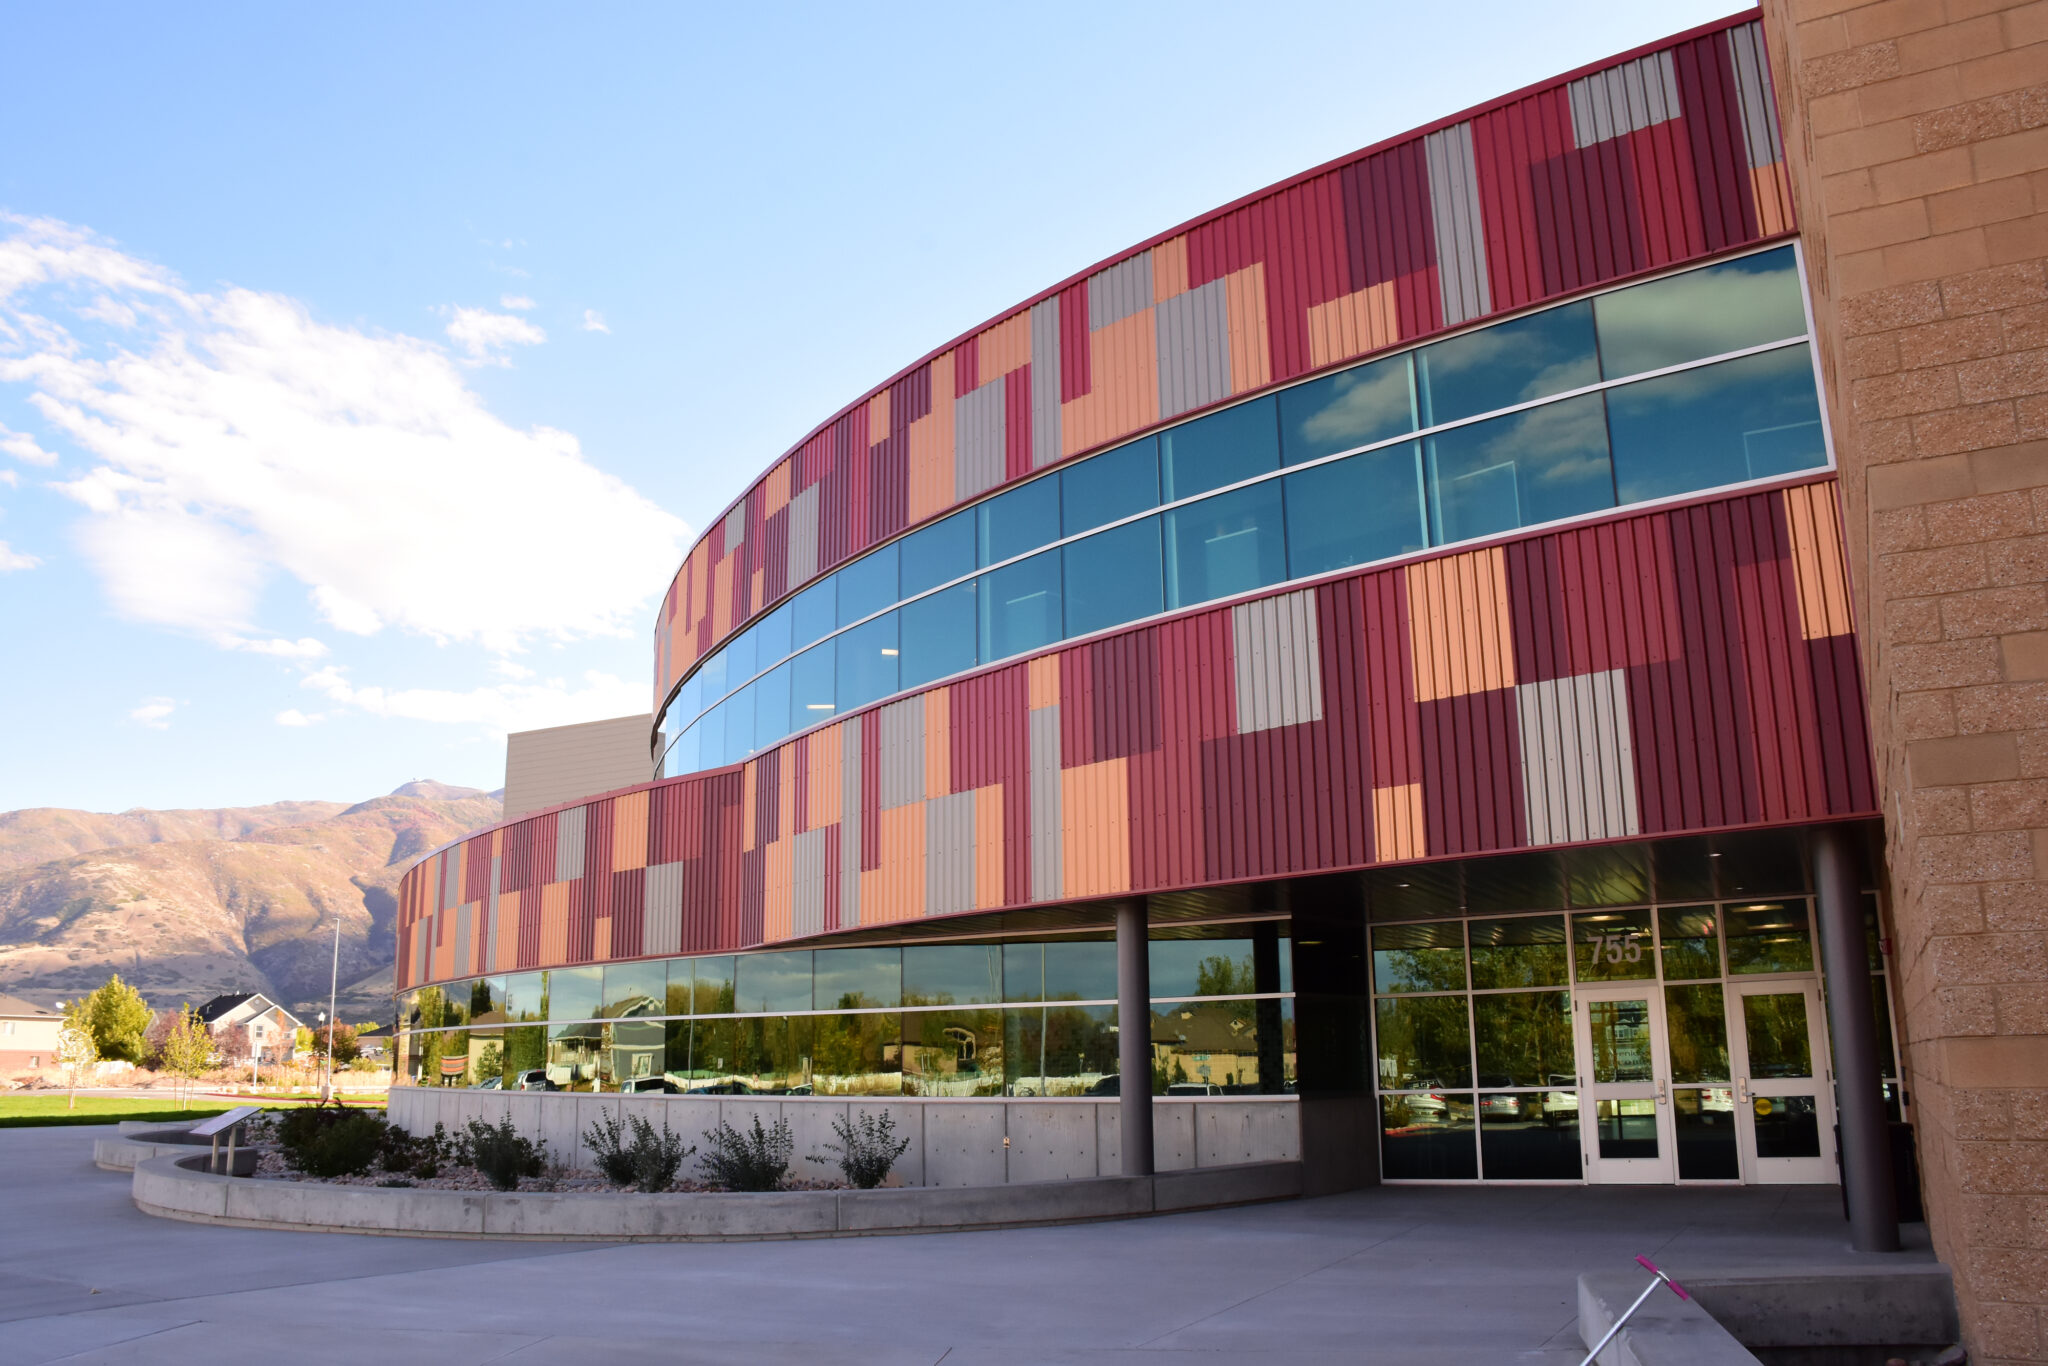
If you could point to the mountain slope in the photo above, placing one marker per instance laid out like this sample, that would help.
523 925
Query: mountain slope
248 905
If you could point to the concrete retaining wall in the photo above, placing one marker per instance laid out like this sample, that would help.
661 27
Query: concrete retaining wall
1897 1306
179 1187
952 1142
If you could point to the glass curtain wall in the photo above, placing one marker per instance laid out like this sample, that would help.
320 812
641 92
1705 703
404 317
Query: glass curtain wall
1030 1017
1698 380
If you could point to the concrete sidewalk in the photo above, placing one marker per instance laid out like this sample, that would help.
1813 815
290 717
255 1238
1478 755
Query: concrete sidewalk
1398 1274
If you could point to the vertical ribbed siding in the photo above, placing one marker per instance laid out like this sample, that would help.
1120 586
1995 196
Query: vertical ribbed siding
1647 163
1275 662
1578 760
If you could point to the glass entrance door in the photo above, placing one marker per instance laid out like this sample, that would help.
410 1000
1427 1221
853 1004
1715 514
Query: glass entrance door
1784 1101
1625 1084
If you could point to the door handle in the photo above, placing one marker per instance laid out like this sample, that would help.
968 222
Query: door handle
1742 1088
1662 1098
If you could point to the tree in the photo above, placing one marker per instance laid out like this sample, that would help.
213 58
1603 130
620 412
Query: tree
188 1048
118 1019
231 1044
346 1049
76 1048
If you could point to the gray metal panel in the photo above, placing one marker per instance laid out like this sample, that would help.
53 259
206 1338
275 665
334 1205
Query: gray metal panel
1194 349
661 929
569 829
1753 89
1119 291
1623 98
949 854
423 948
1045 383
808 873
978 440
901 780
1578 764
736 526
1047 866
465 947
1276 663
849 825
803 537
491 919
451 873
1460 239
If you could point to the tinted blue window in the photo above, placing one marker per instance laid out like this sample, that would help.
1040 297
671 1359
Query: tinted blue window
814 613
771 707
689 701
682 755
711 738
772 637
847 979
1113 577
739 658
739 725
938 554
1083 970
1356 510
1220 449
1023 519
773 981
1105 487
938 635
1346 410
711 678
1509 363
813 684
1020 607
1521 469
867 585
1223 545
1742 419
867 662
1701 313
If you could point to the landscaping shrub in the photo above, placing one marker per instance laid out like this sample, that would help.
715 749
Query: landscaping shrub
331 1140
748 1162
503 1154
867 1148
421 1156
606 1139
630 1153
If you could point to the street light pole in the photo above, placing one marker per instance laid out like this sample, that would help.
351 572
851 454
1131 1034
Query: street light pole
333 982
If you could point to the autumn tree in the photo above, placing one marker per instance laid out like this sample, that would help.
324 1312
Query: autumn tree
118 1019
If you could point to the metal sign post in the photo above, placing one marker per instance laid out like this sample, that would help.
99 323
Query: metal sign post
1648 1290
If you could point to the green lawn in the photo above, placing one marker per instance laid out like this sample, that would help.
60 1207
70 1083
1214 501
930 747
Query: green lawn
55 1108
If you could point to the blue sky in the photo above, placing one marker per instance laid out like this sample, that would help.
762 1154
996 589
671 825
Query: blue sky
364 372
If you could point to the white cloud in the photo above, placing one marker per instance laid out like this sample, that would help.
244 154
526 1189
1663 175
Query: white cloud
500 708
484 335
292 716
11 478
12 559
22 446
155 713
593 321
304 648
518 303
233 439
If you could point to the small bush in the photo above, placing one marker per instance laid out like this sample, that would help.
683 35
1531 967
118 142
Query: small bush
606 1139
331 1140
748 1162
867 1148
657 1157
503 1154
422 1156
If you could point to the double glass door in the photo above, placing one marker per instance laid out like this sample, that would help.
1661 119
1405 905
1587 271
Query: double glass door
1704 1082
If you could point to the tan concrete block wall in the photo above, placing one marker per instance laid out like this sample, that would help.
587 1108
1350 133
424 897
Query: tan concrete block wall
545 768
1917 133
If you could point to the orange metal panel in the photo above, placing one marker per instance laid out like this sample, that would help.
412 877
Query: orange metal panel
508 932
1251 364
750 787
1004 347
931 447
1816 528
629 831
898 891
775 488
554 922
721 598
1397 824
822 781
988 845
601 940
1353 324
1123 365
1459 625
1095 819
938 742
1773 198
1045 681
785 792
1170 268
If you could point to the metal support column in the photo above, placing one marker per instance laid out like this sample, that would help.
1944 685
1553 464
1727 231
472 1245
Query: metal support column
1134 1037
1852 1017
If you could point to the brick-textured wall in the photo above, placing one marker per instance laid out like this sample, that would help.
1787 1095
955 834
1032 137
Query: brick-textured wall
1917 135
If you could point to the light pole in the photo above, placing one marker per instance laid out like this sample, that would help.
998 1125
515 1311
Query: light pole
333 982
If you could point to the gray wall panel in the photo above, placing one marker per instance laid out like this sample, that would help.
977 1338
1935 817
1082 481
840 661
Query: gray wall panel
1578 762
1194 349
1623 99
1276 662
1119 291
901 756
736 526
465 947
661 928
808 873
849 824
1045 383
949 854
979 439
803 537
1454 210
569 832
1756 101
1047 866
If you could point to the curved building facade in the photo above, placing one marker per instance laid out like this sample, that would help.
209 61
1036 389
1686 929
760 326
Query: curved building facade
1384 648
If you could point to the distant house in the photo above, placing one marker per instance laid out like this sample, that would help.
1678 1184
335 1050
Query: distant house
28 1033
375 1043
273 1030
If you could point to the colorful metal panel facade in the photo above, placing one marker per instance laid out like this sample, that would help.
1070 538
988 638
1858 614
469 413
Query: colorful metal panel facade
1688 668
1662 157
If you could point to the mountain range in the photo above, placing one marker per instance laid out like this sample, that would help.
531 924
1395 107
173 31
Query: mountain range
190 904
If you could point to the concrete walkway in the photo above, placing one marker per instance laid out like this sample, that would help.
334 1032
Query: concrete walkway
1415 1275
